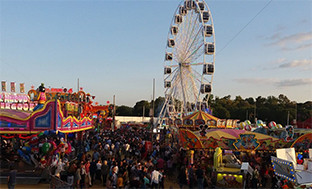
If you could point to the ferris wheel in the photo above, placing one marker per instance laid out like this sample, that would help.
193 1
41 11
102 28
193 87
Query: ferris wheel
189 59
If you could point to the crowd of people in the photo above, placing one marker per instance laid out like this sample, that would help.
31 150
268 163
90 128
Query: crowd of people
120 159
128 158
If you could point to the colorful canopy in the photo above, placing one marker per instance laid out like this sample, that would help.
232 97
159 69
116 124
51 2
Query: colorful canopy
304 142
200 115
189 140
234 133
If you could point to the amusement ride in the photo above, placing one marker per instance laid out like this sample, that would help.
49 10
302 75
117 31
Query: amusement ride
189 60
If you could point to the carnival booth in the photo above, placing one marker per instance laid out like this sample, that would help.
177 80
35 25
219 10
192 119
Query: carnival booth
285 166
241 140
42 114
48 109
230 172
199 118
50 117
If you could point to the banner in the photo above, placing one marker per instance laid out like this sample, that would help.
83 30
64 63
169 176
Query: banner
246 142
22 87
3 86
13 87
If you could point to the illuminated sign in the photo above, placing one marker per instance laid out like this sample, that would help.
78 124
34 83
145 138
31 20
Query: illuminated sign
15 101
229 180
284 169
58 90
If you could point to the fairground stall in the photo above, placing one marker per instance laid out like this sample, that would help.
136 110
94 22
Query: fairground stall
292 171
195 120
230 147
41 124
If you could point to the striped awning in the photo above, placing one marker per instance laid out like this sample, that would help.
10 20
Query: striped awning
200 115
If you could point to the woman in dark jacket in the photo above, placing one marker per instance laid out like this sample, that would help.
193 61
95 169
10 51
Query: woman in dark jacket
182 177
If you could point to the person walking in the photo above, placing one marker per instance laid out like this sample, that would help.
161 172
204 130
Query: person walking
78 176
155 177
88 175
12 177
104 171
191 176
92 171
98 175
200 177
162 179
255 178
182 179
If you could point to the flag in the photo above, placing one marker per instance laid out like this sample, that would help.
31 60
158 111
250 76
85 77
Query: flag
3 86
22 87
13 87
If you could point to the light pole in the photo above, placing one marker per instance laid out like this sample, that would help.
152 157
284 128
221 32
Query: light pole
114 112
153 106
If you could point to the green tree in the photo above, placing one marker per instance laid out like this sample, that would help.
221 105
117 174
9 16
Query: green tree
138 108
221 112
159 102
124 111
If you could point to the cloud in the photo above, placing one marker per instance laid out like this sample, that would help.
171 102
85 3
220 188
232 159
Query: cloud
295 38
300 47
294 82
279 61
254 81
305 63
304 21
274 36
296 41
303 46
275 82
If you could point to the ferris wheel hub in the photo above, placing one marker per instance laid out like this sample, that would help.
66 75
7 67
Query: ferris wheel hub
184 64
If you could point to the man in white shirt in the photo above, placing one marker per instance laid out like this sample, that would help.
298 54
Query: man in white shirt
155 177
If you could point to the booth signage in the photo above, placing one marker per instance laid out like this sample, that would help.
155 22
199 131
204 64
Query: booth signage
16 102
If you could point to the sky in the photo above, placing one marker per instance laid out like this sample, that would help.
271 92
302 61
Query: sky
263 47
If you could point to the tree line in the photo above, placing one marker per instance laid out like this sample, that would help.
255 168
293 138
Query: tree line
279 109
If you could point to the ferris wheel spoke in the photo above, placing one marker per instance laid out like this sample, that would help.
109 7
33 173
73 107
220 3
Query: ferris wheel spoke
190 43
198 48
188 34
196 76
196 43
172 66
194 88
196 63
172 74
195 39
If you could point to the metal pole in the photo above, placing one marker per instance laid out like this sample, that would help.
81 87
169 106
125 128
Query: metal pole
153 99
114 112
288 118
152 118
247 115
255 115
78 85
296 114
143 113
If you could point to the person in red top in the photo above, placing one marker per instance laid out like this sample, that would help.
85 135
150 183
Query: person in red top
160 163
88 175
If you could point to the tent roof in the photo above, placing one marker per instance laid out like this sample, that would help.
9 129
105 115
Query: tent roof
234 133
200 115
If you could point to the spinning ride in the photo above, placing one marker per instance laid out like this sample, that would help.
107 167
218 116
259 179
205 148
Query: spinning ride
189 59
